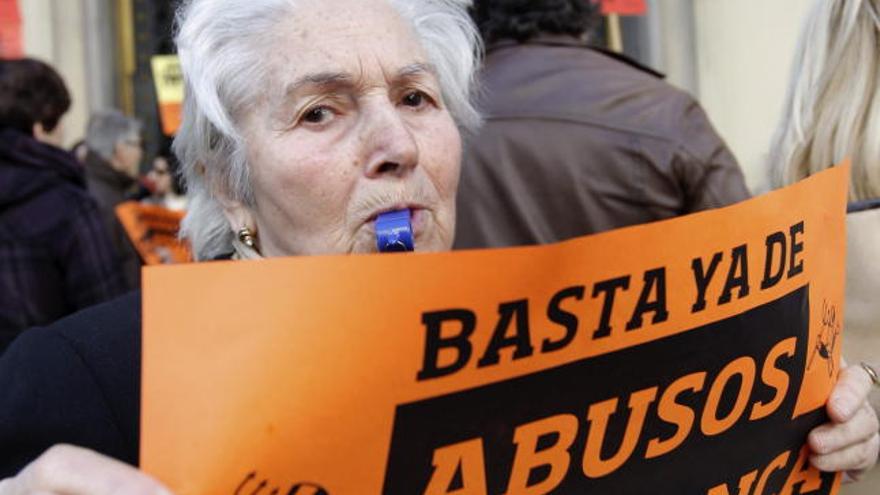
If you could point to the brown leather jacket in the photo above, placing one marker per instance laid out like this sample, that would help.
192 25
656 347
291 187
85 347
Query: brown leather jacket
577 142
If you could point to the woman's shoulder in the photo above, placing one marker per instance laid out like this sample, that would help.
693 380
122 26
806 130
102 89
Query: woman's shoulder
76 381
112 326
104 340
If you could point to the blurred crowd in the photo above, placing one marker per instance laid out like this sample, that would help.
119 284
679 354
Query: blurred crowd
573 140
62 246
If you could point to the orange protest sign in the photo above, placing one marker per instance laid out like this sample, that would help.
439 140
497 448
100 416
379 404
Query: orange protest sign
153 231
685 356
168 80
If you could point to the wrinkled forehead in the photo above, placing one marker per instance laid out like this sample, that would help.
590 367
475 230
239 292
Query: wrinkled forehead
365 38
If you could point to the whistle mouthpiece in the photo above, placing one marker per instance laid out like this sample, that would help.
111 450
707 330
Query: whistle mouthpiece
394 232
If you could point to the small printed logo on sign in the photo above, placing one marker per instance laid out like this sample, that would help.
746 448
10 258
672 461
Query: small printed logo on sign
828 334
307 489
252 485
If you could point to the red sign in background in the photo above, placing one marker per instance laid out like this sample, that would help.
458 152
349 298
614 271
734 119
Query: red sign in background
623 7
10 30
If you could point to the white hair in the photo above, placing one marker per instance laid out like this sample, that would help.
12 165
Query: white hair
107 128
832 110
222 45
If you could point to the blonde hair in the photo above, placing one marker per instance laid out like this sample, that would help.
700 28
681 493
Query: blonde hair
832 110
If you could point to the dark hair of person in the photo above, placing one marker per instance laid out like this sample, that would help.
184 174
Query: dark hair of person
178 186
522 20
31 92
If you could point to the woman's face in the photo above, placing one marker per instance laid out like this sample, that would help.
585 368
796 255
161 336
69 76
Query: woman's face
127 155
352 125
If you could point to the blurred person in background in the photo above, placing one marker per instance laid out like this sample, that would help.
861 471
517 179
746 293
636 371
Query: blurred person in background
832 112
159 180
112 165
164 183
576 140
80 151
55 255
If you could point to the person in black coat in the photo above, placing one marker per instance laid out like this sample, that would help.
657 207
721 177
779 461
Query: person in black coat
55 255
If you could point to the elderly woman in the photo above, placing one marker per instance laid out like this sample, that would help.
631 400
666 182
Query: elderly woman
305 120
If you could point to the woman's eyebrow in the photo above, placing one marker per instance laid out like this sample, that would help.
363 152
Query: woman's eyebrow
414 71
321 81
326 82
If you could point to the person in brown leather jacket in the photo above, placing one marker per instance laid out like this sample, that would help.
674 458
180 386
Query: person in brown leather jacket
577 141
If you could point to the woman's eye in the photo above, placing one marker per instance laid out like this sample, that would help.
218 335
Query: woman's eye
317 115
415 99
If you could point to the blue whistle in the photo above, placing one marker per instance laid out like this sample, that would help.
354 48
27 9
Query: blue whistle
394 232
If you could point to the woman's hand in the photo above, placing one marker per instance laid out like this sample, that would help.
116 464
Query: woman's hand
850 441
69 470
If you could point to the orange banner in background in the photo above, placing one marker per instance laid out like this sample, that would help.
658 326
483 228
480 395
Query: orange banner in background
168 80
685 356
153 230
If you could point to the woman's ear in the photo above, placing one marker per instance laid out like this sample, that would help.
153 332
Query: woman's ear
40 134
239 215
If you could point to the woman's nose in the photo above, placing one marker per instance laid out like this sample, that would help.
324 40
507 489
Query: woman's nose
391 144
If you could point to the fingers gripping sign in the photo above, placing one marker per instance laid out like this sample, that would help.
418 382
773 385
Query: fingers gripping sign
69 470
850 441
